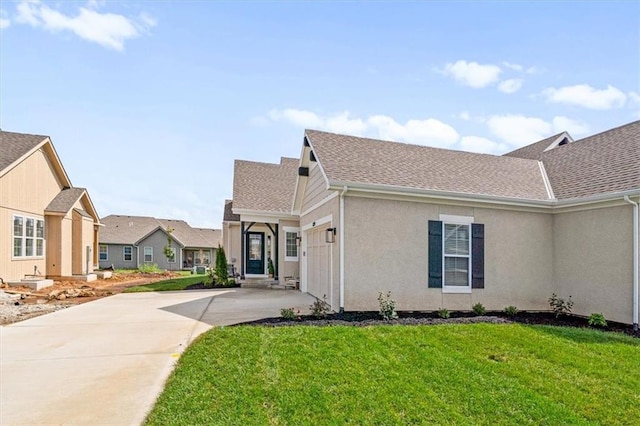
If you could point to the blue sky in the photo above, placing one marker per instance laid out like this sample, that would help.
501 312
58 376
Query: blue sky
148 103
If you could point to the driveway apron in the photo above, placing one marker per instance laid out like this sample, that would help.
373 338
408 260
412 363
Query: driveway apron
105 362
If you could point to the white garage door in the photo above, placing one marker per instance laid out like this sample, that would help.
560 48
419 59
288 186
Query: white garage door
318 264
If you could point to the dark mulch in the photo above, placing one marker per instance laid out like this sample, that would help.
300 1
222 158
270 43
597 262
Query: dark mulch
203 286
363 319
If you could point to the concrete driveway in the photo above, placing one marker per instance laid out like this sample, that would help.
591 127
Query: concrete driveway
105 362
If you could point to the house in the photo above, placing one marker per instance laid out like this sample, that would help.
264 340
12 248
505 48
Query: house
443 228
49 227
127 242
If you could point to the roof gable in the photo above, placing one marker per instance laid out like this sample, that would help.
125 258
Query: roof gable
536 149
364 162
229 216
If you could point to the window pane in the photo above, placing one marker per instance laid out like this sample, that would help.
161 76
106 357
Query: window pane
172 258
456 239
17 247
39 247
291 244
28 247
148 254
456 271
40 228
104 253
30 227
17 226
255 247
206 255
127 254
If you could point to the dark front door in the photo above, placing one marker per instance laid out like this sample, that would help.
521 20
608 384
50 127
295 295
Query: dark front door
255 253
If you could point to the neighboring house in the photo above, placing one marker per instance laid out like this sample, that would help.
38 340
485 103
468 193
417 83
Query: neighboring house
47 226
261 211
442 228
127 242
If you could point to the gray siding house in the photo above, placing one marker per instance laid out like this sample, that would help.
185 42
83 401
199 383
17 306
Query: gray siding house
127 242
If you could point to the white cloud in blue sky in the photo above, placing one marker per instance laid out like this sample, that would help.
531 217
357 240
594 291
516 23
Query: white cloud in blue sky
149 103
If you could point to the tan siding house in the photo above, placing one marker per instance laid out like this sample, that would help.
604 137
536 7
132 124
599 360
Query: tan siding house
49 228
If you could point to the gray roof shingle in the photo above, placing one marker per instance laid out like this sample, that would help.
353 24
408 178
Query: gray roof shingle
64 201
15 145
356 160
264 187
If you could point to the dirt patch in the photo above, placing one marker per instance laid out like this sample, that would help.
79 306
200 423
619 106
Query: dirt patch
20 303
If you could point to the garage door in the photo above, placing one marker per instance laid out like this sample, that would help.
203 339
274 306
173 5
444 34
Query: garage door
318 264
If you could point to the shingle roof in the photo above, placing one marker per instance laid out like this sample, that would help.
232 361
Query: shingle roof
64 201
264 187
15 145
229 216
535 150
607 162
131 229
355 160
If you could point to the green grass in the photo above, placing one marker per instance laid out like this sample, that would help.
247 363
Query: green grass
477 374
173 284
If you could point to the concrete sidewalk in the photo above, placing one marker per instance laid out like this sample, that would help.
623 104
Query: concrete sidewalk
105 362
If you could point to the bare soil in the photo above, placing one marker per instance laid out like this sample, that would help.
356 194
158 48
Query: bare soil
20 303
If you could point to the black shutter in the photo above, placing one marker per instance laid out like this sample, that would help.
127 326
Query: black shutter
477 255
435 254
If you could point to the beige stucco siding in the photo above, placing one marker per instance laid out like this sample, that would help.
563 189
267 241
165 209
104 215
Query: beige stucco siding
287 268
231 243
315 189
332 209
386 249
10 268
593 261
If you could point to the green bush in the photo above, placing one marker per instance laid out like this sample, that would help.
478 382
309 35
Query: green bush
271 268
320 308
559 306
149 268
221 266
479 309
289 313
387 307
511 311
444 313
597 320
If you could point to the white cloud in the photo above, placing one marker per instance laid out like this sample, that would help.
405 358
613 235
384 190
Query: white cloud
4 20
565 124
586 96
515 67
464 115
510 86
472 74
106 29
482 145
518 130
429 132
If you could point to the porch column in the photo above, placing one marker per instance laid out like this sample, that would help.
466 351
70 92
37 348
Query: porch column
242 248
277 262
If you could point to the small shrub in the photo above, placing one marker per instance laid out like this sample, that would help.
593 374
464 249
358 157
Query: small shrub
511 311
387 307
444 313
320 308
289 313
597 320
149 268
479 309
271 269
559 306
221 274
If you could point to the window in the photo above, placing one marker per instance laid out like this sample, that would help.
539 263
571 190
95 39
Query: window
28 237
104 253
456 254
172 257
148 254
291 244
206 257
127 253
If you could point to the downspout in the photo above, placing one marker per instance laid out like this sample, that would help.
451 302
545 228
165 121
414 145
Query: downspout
636 206
341 230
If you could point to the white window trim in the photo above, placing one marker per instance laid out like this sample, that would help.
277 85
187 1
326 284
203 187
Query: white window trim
456 220
100 253
144 254
24 237
291 230
124 259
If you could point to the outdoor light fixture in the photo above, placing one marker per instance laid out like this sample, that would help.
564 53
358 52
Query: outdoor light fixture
330 235
298 240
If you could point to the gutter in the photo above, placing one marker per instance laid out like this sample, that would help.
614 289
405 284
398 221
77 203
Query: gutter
636 207
341 231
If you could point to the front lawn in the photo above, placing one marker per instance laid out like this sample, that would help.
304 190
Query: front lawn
173 284
397 375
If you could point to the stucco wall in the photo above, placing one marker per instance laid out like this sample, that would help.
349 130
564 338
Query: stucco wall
231 243
593 261
386 249
287 268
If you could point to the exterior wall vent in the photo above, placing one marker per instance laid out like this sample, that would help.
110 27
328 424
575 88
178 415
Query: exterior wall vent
303 171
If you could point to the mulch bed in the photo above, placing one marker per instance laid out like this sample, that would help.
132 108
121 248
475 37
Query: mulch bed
363 319
203 286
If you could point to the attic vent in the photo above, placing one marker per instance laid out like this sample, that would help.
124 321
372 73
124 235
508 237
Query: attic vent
563 142
303 171
312 156
306 142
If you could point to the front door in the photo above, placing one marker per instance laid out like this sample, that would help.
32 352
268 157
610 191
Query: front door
255 253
